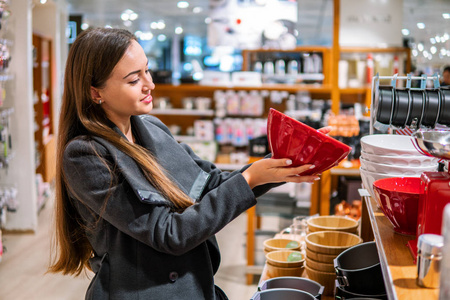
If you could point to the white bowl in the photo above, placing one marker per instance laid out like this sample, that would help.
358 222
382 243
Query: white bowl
393 169
389 144
368 178
405 161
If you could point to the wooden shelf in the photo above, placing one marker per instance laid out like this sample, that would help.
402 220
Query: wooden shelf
397 264
312 88
182 112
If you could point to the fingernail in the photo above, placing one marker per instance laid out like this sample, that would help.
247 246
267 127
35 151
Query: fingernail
289 162
312 167
318 178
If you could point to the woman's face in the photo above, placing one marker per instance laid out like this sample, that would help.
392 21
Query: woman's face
128 90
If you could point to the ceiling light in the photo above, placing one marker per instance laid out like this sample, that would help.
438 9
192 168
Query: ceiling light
127 23
125 16
183 4
160 25
420 47
433 50
425 53
197 10
414 52
208 20
84 26
133 16
146 36
421 25
446 36
138 33
443 51
405 31
154 25
43 1
433 41
179 30
446 15
162 37
438 39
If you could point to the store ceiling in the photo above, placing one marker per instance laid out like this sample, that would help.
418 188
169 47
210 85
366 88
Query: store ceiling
315 17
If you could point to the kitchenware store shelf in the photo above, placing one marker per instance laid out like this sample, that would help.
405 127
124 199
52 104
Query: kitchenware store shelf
397 264
182 112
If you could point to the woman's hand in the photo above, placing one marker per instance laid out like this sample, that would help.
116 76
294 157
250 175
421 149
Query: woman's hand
272 170
325 130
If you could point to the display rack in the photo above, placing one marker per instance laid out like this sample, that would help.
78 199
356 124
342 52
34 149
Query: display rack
43 122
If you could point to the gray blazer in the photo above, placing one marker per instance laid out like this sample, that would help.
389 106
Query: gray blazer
144 250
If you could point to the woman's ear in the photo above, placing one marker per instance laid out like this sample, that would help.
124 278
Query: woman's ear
95 94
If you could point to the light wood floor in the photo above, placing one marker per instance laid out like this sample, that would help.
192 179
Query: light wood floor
23 266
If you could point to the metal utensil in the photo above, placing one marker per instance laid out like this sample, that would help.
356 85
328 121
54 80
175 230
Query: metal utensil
433 142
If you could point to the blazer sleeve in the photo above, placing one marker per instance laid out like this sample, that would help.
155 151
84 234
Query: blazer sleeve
218 176
87 170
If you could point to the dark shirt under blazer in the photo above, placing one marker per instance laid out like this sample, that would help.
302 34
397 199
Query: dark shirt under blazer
144 250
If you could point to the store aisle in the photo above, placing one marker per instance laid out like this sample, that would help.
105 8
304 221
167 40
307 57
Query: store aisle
23 267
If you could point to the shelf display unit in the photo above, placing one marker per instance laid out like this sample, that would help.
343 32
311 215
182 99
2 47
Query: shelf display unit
42 98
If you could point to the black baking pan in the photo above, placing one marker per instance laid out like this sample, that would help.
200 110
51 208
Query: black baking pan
358 269
342 294
431 108
297 283
401 107
282 294
385 103
416 103
444 113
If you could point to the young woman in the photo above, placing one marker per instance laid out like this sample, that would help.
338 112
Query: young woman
134 206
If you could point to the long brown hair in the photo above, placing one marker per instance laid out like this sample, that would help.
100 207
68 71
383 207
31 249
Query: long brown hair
90 62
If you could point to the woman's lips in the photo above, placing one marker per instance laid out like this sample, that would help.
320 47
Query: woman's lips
147 99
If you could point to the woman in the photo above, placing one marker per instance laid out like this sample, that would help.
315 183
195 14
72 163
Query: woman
133 205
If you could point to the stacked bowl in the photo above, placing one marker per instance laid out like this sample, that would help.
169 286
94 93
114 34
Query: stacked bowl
283 257
390 155
322 247
284 263
332 223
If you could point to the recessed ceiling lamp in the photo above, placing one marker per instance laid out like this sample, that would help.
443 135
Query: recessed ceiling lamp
183 4
433 50
433 41
128 15
158 25
162 37
446 15
208 20
197 10
405 31
43 1
179 30
146 36
84 26
420 47
421 25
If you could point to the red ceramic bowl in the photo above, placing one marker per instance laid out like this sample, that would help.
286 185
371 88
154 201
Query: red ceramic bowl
289 138
399 200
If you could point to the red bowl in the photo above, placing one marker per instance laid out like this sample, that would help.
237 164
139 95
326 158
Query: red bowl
399 201
289 138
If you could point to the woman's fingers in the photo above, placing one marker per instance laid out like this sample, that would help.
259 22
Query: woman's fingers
325 130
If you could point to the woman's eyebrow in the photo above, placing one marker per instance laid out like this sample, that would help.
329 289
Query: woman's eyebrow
134 72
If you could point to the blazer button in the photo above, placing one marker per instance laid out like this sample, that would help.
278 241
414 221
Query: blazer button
173 276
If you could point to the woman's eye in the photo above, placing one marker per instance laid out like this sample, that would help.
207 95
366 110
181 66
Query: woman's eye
134 81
